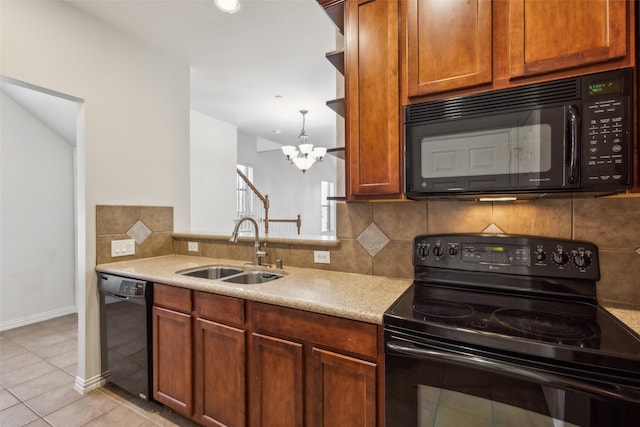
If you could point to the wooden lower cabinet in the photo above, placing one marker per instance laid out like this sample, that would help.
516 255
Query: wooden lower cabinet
199 362
294 368
172 360
310 369
276 382
343 390
219 374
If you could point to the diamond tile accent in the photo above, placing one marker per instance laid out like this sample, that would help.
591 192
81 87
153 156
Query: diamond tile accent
638 251
373 239
493 229
139 232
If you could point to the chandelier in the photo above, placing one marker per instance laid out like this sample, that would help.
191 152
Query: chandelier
305 155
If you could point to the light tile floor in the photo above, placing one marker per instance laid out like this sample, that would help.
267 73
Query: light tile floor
37 372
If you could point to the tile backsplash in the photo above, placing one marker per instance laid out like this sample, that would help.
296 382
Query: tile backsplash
613 224
376 238
150 226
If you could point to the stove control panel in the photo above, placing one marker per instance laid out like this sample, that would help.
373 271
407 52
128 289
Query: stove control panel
523 255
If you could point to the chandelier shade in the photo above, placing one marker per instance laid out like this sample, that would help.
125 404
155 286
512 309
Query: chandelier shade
304 155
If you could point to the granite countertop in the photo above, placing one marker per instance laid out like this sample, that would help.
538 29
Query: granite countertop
352 296
629 317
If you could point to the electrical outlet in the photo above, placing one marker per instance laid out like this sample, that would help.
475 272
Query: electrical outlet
123 247
192 246
322 257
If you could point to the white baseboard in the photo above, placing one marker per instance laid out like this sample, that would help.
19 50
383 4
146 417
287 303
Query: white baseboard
85 386
35 318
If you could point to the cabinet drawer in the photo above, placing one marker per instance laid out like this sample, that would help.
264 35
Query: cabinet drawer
219 308
346 335
172 297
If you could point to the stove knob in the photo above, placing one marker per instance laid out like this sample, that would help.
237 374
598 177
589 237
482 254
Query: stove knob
438 250
560 258
582 260
423 249
540 255
453 251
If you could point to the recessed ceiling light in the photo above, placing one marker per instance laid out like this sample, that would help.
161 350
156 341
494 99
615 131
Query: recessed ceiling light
229 6
277 131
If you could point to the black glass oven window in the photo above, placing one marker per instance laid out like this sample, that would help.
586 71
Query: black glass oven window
430 392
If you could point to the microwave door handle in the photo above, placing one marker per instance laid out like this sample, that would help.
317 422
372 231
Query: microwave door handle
573 124
615 391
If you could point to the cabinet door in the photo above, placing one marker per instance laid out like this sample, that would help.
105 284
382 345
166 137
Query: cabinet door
373 150
172 363
276 394
449 45
554 35
343 390
219 373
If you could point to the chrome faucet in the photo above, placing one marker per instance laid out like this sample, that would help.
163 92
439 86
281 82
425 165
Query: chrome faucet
257 253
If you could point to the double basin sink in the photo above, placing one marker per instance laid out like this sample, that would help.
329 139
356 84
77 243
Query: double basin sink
232 275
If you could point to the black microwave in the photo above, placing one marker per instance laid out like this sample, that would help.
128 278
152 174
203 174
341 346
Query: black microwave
571 135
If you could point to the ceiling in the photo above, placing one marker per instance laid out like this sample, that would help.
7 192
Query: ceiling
255 68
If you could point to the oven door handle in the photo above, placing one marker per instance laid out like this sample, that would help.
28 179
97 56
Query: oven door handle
613 391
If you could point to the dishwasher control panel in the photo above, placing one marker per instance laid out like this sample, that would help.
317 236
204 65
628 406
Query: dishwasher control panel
129 288
110 284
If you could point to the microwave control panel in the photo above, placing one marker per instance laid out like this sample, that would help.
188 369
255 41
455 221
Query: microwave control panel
521 255
606 129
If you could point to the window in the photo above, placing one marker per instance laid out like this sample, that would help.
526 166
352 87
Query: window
327 206
245 205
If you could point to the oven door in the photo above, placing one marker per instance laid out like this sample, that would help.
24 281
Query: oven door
431 383
534 149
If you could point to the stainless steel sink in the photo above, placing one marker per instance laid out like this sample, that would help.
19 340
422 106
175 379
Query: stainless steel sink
215 272
252 277
231 274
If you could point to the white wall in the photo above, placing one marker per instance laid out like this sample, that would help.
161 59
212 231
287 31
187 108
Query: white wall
213 174
37 273
135 144
247 152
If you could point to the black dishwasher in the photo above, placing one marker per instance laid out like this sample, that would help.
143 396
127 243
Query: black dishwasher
126 333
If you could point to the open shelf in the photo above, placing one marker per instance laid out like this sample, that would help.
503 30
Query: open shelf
338 152
337 60
337 105
335 10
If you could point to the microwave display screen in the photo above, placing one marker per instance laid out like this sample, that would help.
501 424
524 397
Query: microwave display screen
519 145
606 87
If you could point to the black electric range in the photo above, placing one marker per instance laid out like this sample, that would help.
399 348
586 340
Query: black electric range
522 305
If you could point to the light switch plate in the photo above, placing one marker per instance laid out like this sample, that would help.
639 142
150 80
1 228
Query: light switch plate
123 247
192 246
322 257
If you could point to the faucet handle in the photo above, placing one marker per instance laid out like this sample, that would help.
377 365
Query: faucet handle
262 253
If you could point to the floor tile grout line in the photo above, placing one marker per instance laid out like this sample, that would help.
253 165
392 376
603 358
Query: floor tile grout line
147 415
39 357
127 404
22 402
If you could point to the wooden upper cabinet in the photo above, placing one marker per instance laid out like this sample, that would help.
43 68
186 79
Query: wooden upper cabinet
449 45
373 146
554 35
